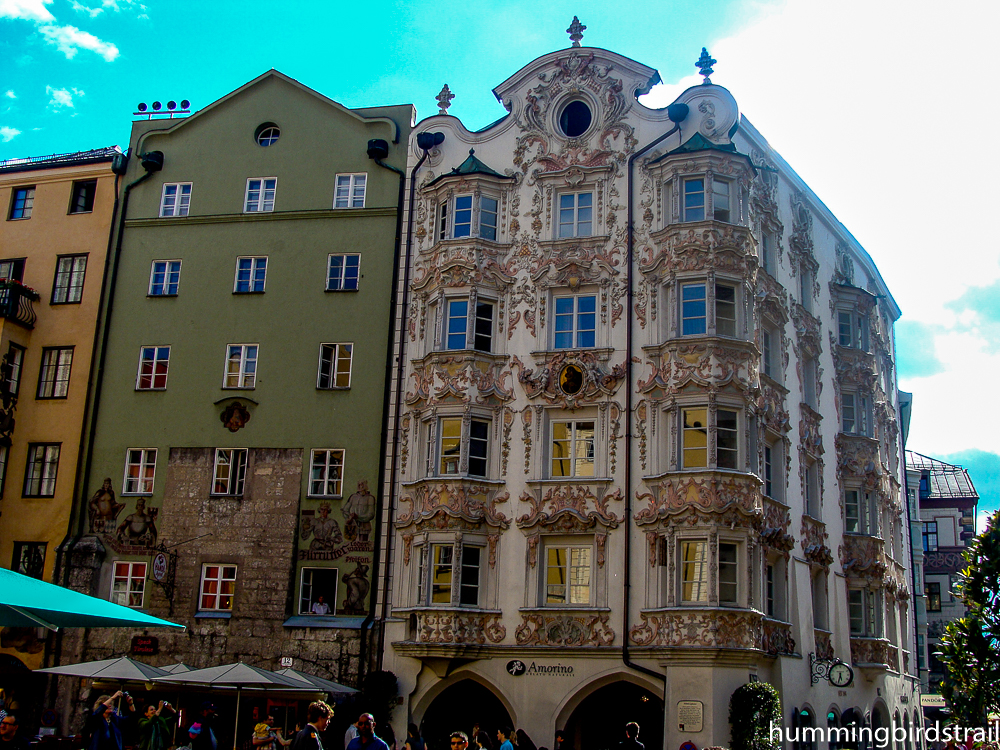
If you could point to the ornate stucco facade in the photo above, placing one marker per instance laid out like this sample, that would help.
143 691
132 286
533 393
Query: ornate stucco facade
646 444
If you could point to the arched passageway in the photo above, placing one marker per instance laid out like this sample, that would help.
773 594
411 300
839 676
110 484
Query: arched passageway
457 708
599 721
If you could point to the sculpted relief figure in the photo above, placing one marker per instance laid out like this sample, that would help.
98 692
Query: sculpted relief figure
359 510
325 531
139 528
103 510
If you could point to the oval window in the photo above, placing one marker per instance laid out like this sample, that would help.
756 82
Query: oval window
267 134
575 119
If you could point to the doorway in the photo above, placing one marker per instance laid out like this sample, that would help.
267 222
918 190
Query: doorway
598 723
457 708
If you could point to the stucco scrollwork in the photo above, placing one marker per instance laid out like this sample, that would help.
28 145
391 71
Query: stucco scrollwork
708 492
472 628
467 377
699 629
776 638
863 557
569 508
599 380
558 629
813 536
453 505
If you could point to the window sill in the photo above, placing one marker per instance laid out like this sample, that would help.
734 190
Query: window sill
248 292
325 497
18 218
335 388
341 291
135 494
563 608
774 383
323 621
213 615
158 296
51 398
563 480
79 213
69 302
456 478
149 390
237 388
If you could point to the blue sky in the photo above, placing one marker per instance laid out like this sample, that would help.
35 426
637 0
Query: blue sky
886 109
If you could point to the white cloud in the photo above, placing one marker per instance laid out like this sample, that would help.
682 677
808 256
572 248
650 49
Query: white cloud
81 8
62 98
8 133
70 40
10 94
28 10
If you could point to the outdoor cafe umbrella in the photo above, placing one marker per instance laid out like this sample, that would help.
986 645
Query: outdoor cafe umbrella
120 670
29 603
239 676
327 686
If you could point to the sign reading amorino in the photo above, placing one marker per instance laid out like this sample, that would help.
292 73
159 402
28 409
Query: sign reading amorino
517 667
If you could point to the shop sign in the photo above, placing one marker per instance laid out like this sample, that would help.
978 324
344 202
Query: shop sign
690 716
932 701
517 667
159 567
145 645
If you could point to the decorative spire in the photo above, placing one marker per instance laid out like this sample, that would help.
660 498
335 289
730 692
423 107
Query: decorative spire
704 64
444 100
575 31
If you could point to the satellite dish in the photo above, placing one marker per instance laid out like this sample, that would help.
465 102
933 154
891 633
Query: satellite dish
171 105
142 107
185 104
157 105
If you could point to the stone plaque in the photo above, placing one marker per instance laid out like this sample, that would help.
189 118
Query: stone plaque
690 716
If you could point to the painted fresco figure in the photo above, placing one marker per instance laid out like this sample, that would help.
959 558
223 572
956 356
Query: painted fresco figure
359 510
357 590
139 528
325 530
103 510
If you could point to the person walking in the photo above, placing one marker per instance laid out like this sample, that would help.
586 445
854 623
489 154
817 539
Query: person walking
266 737
9 739
154 729
413 739
104 727
482 741
350 734
366 739
502 734
459 741
522 741
631 741
318 715
205 739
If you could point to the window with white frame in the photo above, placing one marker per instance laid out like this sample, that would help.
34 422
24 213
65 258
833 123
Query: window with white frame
728 573
318 591
326 477
218 586
342 272
860 512
775 587
468 326
260 194
154 362
852 329
806 288
695 434
54 373
773 465
812 498
770 354
695 305
694 571
128 585
809 381
467 215
721 200
446 578
175 199
865 614
164 278
334 366
42 469
572 449
820 603
251 274
15 361
241 366
453 444
67 287
768 251
575 321
140 471
855 413
576 215
568 575
230 471
350 192
694 199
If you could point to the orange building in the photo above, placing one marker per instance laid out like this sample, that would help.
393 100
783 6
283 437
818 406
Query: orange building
57 215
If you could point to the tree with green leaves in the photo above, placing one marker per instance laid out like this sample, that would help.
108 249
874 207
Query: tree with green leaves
970 645
752 708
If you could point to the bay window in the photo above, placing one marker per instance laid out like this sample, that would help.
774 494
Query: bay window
455 448
695 304
449 574
865 612
468 215
567 575
468 325
695 438
860 512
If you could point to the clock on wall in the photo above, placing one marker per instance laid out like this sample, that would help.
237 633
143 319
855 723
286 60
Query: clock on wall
841 675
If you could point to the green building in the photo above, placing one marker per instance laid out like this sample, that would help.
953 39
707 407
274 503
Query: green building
233 463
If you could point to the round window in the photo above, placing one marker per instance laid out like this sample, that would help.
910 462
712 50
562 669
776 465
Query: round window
571 380
267 134
575 119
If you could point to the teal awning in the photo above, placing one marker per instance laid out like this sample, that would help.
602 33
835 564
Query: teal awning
29 603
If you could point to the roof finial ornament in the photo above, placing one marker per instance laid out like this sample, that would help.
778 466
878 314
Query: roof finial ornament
444 100
704 64
575 31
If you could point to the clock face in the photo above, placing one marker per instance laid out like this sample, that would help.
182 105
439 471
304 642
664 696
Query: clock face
841 675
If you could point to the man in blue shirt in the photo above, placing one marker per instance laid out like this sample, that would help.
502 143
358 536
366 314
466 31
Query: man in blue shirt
366 739
502 734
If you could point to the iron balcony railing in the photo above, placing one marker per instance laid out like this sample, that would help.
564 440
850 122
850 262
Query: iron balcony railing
16 303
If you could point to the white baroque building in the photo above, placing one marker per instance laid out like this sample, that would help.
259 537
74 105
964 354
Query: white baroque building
646 445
